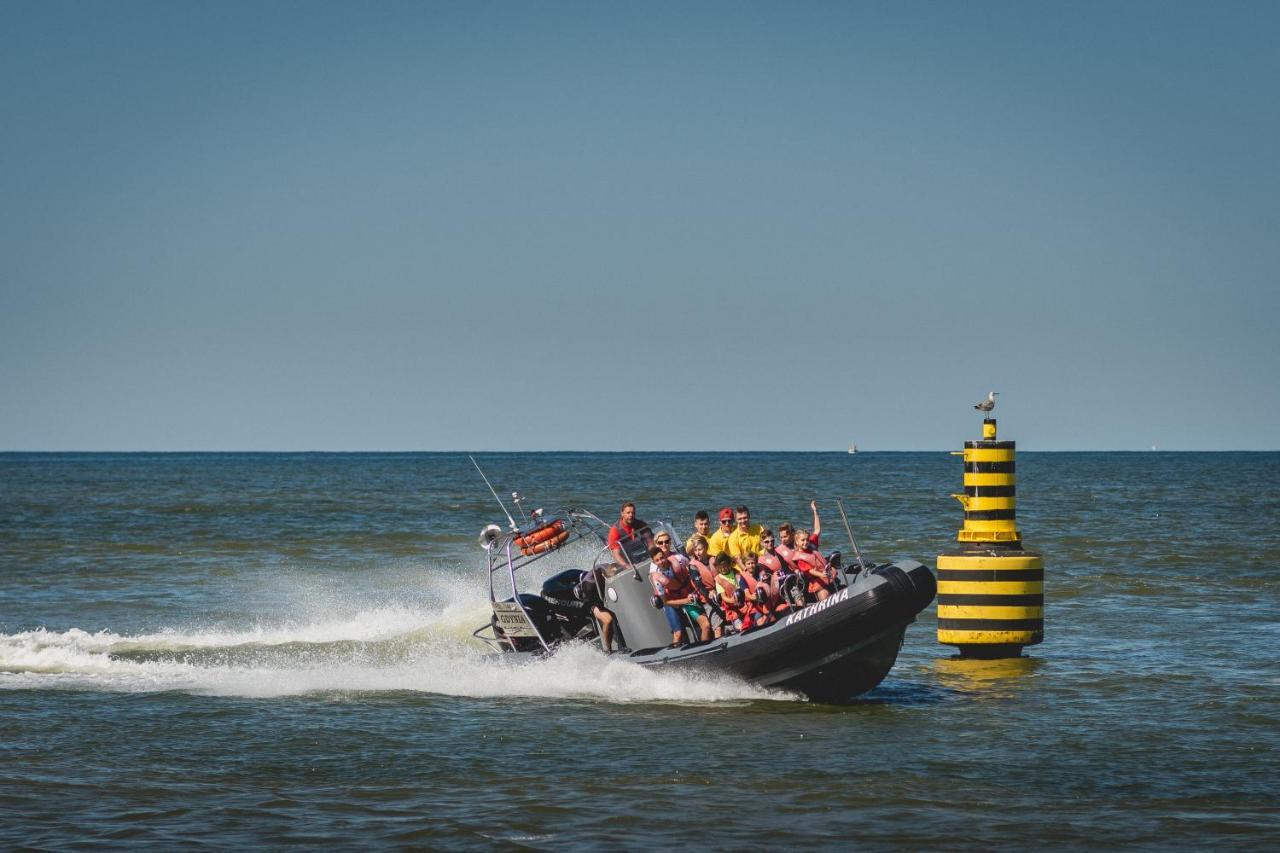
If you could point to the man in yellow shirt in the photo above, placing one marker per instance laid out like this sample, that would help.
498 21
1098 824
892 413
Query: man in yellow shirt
718 542
701 527
746 536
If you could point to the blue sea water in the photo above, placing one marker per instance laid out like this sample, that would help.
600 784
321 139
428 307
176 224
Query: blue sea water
274 649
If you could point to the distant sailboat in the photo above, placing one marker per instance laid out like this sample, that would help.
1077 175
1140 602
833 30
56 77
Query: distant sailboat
853 448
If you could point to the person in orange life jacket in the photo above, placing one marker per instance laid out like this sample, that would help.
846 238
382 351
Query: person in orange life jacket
701 527
778 570
664 543
812 565
718 542
732 592
787 545
757 582
700 566
678 594
675 559
630 539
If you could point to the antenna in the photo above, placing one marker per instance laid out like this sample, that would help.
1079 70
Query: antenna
511 520
516 499
849 530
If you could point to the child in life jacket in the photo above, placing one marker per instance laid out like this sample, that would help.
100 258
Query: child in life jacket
704 577
812 566
757 581
732 593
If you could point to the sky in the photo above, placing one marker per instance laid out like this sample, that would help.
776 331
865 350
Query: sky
638 226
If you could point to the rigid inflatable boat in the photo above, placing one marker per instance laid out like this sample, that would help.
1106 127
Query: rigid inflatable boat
828 650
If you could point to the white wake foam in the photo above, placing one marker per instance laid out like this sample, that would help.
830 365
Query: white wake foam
388 653
422 647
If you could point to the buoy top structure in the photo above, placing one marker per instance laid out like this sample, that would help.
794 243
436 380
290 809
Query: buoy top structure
990 590
989 499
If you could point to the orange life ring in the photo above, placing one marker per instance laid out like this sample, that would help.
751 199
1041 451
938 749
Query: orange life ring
539 535
547 544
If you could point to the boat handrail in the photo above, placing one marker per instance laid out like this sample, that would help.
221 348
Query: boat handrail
582 524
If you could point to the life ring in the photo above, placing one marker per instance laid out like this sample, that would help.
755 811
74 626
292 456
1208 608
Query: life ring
546 545
539 534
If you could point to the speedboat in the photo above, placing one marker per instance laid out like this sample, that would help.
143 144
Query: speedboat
829 650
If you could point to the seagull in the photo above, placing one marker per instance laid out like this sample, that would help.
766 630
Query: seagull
989 403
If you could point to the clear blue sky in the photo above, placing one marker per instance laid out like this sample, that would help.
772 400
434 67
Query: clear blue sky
614 226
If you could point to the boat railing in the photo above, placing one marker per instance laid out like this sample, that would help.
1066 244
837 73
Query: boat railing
504 553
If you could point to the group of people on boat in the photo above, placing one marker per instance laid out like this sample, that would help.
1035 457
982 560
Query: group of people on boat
740 577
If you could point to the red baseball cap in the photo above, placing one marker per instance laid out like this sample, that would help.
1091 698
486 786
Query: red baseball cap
726 514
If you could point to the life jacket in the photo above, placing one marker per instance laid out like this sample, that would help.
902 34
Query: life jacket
731 597
678 584
705 574
814 568
788 556
772 562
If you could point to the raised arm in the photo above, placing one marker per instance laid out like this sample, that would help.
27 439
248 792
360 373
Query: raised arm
817 522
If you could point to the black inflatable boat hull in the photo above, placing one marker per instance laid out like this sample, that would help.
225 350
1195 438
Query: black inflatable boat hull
830 650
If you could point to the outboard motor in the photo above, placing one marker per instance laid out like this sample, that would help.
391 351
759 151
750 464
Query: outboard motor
567 609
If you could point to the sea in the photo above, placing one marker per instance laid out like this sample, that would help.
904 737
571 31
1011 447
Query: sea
275 650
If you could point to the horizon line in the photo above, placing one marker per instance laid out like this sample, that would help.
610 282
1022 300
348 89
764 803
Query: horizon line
565 451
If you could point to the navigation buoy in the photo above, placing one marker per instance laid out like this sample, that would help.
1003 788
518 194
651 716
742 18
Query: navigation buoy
990 590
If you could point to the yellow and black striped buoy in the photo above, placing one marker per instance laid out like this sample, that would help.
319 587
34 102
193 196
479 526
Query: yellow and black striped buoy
990 590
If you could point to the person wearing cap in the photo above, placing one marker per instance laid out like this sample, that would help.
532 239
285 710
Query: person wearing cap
718 542
745 537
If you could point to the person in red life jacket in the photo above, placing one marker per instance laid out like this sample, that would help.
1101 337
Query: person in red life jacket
702 573
785 547
787 543
630 539
732 594
812 565
759 607
701 527
779 571
678 595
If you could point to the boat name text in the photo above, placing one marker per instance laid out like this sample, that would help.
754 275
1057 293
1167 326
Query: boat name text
818 607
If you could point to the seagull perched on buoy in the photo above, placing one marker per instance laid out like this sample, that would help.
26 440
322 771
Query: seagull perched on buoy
988 404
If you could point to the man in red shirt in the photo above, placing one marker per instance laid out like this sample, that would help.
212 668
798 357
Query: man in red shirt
630 539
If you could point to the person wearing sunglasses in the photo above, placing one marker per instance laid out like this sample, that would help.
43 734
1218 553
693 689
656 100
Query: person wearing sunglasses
678 595
718 542
779 571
